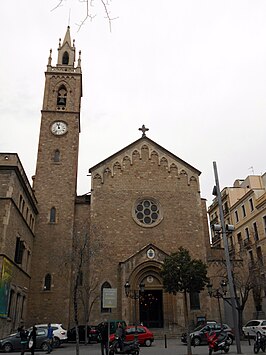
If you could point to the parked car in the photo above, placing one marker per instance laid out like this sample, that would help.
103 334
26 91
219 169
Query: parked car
92 333
199 335
255 326
12 341
145 336
59 333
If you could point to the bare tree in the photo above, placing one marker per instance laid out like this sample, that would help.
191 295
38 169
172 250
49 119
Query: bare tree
79 255
88 295
89 11
247 278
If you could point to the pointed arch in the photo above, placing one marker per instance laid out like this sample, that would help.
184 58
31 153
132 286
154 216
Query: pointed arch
164 162
183 172
173 166
105 310
62 96
47 282
65 59
117 166
97 177
107 171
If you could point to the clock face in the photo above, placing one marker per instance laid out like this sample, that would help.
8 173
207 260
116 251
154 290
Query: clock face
58 128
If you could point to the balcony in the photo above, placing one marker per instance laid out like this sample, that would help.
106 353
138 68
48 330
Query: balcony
252 265
231 250
216 238
215 220
226 210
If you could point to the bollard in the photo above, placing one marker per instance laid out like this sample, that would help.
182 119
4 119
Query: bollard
248 339
165 341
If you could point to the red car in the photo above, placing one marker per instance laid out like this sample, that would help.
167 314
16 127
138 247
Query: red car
145 336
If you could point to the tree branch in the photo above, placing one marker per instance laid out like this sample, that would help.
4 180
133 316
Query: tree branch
58 5
89 14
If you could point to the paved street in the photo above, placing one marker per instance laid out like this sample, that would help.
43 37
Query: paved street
174 347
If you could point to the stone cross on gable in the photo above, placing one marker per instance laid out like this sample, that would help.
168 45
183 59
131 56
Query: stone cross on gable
144 130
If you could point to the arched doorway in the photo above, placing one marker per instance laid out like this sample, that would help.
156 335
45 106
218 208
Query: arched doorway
151 308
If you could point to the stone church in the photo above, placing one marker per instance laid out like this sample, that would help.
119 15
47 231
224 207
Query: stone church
144 204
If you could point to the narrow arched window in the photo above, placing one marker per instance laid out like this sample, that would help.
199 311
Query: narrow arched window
61 96
47 282
105 310
65 58
80 278
52 215
57 155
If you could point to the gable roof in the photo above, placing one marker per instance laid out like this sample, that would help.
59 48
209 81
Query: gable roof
148 140
144 249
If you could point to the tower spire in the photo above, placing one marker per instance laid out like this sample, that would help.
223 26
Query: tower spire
67 38
66 51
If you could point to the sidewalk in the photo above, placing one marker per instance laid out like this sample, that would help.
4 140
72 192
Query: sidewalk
174 347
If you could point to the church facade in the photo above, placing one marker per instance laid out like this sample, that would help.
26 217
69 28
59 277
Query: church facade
144 204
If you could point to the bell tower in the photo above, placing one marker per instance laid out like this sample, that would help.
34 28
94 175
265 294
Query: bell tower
55 184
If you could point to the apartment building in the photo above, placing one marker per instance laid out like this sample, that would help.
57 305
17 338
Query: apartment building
244 207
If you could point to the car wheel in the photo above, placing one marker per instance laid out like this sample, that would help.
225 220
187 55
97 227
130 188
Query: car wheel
230 340
196 341
256 348
147 342
7 347
56 342
44 346
226 349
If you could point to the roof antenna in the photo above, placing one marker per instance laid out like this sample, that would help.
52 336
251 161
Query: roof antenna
252 170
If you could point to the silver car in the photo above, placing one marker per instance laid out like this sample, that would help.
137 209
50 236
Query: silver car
12 341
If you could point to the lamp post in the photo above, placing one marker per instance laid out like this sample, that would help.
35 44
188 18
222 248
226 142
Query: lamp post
218 293
217 192
135 295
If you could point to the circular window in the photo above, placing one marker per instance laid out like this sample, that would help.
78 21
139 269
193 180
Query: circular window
147 212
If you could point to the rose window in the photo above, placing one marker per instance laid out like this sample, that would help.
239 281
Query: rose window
147 212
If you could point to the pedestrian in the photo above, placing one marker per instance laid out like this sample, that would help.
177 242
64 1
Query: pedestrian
103 330
49 338
23 339
32 340
120 334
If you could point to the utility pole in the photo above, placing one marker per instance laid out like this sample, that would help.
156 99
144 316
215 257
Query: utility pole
227 260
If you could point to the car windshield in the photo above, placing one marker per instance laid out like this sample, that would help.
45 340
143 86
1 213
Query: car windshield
199 327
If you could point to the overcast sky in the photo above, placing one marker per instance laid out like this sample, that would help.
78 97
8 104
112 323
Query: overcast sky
194 72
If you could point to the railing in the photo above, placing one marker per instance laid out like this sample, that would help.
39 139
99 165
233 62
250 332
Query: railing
231 249
247 243
214 220
226 210
216 238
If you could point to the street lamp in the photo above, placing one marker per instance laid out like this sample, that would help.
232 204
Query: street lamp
217 192
218 293
135 295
